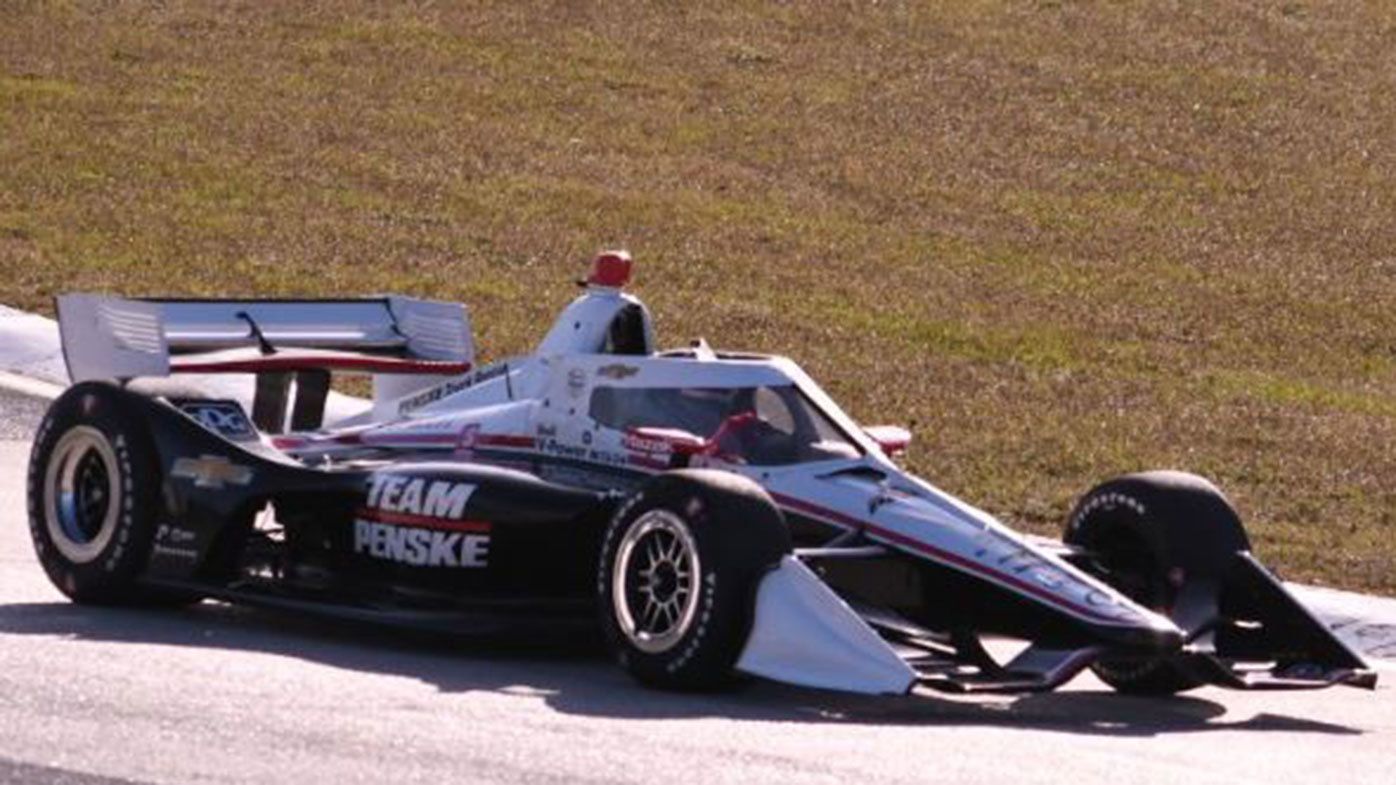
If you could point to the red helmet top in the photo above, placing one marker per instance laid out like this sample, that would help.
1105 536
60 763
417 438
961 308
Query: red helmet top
610 269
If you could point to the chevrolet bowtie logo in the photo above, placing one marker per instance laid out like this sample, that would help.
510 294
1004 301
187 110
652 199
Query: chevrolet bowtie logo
211 471
617 371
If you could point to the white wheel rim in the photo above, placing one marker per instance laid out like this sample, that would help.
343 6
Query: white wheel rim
654 587
82 494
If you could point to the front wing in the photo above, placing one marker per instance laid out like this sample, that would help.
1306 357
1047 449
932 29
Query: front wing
804 633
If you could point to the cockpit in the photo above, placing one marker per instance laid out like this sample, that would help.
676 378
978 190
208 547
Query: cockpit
774 425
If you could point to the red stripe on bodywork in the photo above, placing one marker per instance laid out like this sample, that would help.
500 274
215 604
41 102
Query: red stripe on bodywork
390 439
346 362
423 521
823 512
407 439
647 462
504 440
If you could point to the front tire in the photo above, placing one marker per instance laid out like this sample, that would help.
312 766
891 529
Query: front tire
680 562
1165 539
93 488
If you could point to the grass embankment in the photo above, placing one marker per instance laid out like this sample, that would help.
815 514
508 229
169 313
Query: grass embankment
1065 240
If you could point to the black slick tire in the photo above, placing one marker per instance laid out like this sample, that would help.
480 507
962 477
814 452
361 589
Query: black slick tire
712 532
1165 539
93 498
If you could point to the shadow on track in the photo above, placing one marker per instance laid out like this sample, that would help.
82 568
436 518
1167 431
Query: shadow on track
574 676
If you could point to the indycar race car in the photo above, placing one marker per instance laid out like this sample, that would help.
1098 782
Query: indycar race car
714 512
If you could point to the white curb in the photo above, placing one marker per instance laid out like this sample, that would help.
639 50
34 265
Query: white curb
1362 621
29 347
35 388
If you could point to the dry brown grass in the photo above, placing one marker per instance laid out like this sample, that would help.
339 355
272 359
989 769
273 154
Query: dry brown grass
1067 240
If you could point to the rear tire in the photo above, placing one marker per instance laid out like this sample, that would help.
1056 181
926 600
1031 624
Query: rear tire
94 496
1165 539
680 563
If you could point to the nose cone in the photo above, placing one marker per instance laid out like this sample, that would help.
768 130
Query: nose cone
1155 633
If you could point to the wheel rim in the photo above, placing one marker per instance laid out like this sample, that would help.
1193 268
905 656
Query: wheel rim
654 588
82 494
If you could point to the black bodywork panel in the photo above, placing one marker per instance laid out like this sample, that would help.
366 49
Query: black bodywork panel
428 534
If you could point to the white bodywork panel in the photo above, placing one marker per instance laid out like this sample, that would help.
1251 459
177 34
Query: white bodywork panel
583 326
917 518
804 634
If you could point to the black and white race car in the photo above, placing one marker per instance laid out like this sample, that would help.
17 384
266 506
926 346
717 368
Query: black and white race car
715 513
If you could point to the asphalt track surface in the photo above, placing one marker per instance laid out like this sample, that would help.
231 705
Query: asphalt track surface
222 694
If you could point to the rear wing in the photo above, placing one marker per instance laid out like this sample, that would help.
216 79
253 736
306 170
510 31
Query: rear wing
406 344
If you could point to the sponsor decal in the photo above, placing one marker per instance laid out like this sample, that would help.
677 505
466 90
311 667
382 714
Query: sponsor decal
175 535
419 496
469 435
420 522
443 430
617 371
582 452
211 471
999 558
1011 558
224 418
432 426
560 449
420 547
638 443
576 382
1106 501
434 394
701 631
123 457
632 458
175 541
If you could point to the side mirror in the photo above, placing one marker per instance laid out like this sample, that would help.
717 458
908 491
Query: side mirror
891 439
